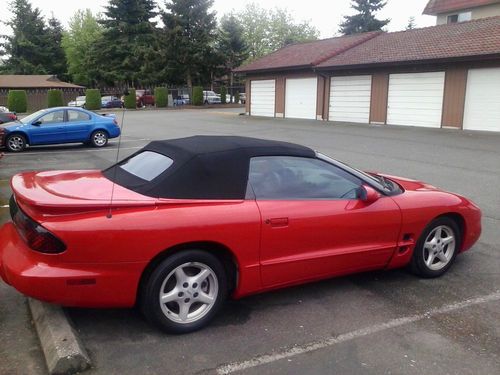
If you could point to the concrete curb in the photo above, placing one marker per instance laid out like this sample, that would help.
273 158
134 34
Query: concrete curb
61 347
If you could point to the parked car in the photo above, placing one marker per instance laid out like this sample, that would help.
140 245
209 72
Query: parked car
182 99
111 102
78 102
243 98
144 98
6 115
210 97
195 220
59 125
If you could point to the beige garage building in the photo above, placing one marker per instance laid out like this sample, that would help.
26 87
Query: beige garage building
442 76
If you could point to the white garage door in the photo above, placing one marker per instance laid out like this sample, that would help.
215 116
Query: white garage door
482 100
350 99
300 98
262 97
415 99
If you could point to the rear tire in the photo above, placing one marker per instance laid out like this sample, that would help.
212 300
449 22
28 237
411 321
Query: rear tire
436 248
99 138
184 292
15 143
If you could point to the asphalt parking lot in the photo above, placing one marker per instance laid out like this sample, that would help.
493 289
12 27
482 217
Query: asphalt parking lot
372 323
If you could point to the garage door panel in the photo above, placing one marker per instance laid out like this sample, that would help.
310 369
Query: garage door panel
482 100
262 97
415 99
350 98
300 98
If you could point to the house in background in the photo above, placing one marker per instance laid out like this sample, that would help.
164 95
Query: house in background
440 76
452 11
36 87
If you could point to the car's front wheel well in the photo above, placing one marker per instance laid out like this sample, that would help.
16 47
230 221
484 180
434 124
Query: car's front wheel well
18 133
221 252
459 220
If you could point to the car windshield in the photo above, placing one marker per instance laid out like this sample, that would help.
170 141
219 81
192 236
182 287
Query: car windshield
80 98
29 119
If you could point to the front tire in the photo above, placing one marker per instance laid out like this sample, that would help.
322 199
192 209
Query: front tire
99 138
15 143
436 248
185 291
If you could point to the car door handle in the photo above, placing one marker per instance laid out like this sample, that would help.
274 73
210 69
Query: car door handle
277 222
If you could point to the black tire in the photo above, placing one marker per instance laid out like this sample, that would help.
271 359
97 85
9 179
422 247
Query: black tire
164 315
99 138
15 142
418 263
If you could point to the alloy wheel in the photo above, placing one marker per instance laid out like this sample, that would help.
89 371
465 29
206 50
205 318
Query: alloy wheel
439 247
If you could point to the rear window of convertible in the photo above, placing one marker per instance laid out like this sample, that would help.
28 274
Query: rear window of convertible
147 165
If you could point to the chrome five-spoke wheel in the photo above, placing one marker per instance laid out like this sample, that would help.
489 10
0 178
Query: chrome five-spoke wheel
184 291
16 143
99 138
188 292
436 248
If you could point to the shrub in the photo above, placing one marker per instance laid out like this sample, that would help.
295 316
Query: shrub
92 99
130 102
223 94
54 98
161 97
237 97
198 95
17 101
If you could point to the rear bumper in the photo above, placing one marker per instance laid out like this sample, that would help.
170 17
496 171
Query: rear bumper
84 285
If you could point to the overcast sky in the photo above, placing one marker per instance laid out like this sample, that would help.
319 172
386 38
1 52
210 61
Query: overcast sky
323 14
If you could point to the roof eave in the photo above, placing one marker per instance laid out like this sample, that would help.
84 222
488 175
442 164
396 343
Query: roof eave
274 69
472 58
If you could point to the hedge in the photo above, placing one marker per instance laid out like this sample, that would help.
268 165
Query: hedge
17 101
161 97
237 97
92 99
54 98
223 94
130 101
198 95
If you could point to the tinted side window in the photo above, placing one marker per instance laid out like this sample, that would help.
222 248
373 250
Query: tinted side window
284 177
56 116
77 116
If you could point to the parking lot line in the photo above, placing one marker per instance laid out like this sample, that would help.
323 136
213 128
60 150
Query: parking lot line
333 340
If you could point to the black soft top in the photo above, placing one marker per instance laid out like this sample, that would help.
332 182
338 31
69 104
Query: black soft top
204 167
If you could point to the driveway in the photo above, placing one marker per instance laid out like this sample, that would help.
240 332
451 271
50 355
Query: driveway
371 323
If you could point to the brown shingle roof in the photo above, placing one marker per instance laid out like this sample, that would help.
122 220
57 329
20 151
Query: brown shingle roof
434 7
14 81
443 42
305 54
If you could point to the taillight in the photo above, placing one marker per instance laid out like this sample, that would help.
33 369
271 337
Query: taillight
36 237
12 116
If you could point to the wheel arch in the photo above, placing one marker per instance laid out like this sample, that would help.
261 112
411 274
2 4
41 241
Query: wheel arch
460 221
220 251
17 131
98 128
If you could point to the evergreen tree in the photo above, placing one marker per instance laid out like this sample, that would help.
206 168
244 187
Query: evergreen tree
231 45
364 20
189 35
26 50
411 23
83 33
127 51
57 59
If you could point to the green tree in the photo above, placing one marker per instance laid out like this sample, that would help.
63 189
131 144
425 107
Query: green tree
198 95
84 31
127 51
56 63
189 34
17 101
26 50
265 31
231 46
411 23
92 99
54 98
364 20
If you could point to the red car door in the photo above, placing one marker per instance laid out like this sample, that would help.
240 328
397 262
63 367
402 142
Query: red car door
313 224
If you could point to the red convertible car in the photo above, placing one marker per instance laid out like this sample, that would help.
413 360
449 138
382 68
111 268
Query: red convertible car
183 224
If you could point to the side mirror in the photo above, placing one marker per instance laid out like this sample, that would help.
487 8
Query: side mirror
37 123
368 194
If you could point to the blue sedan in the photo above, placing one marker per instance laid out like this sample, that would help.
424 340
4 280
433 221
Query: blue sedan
59 125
